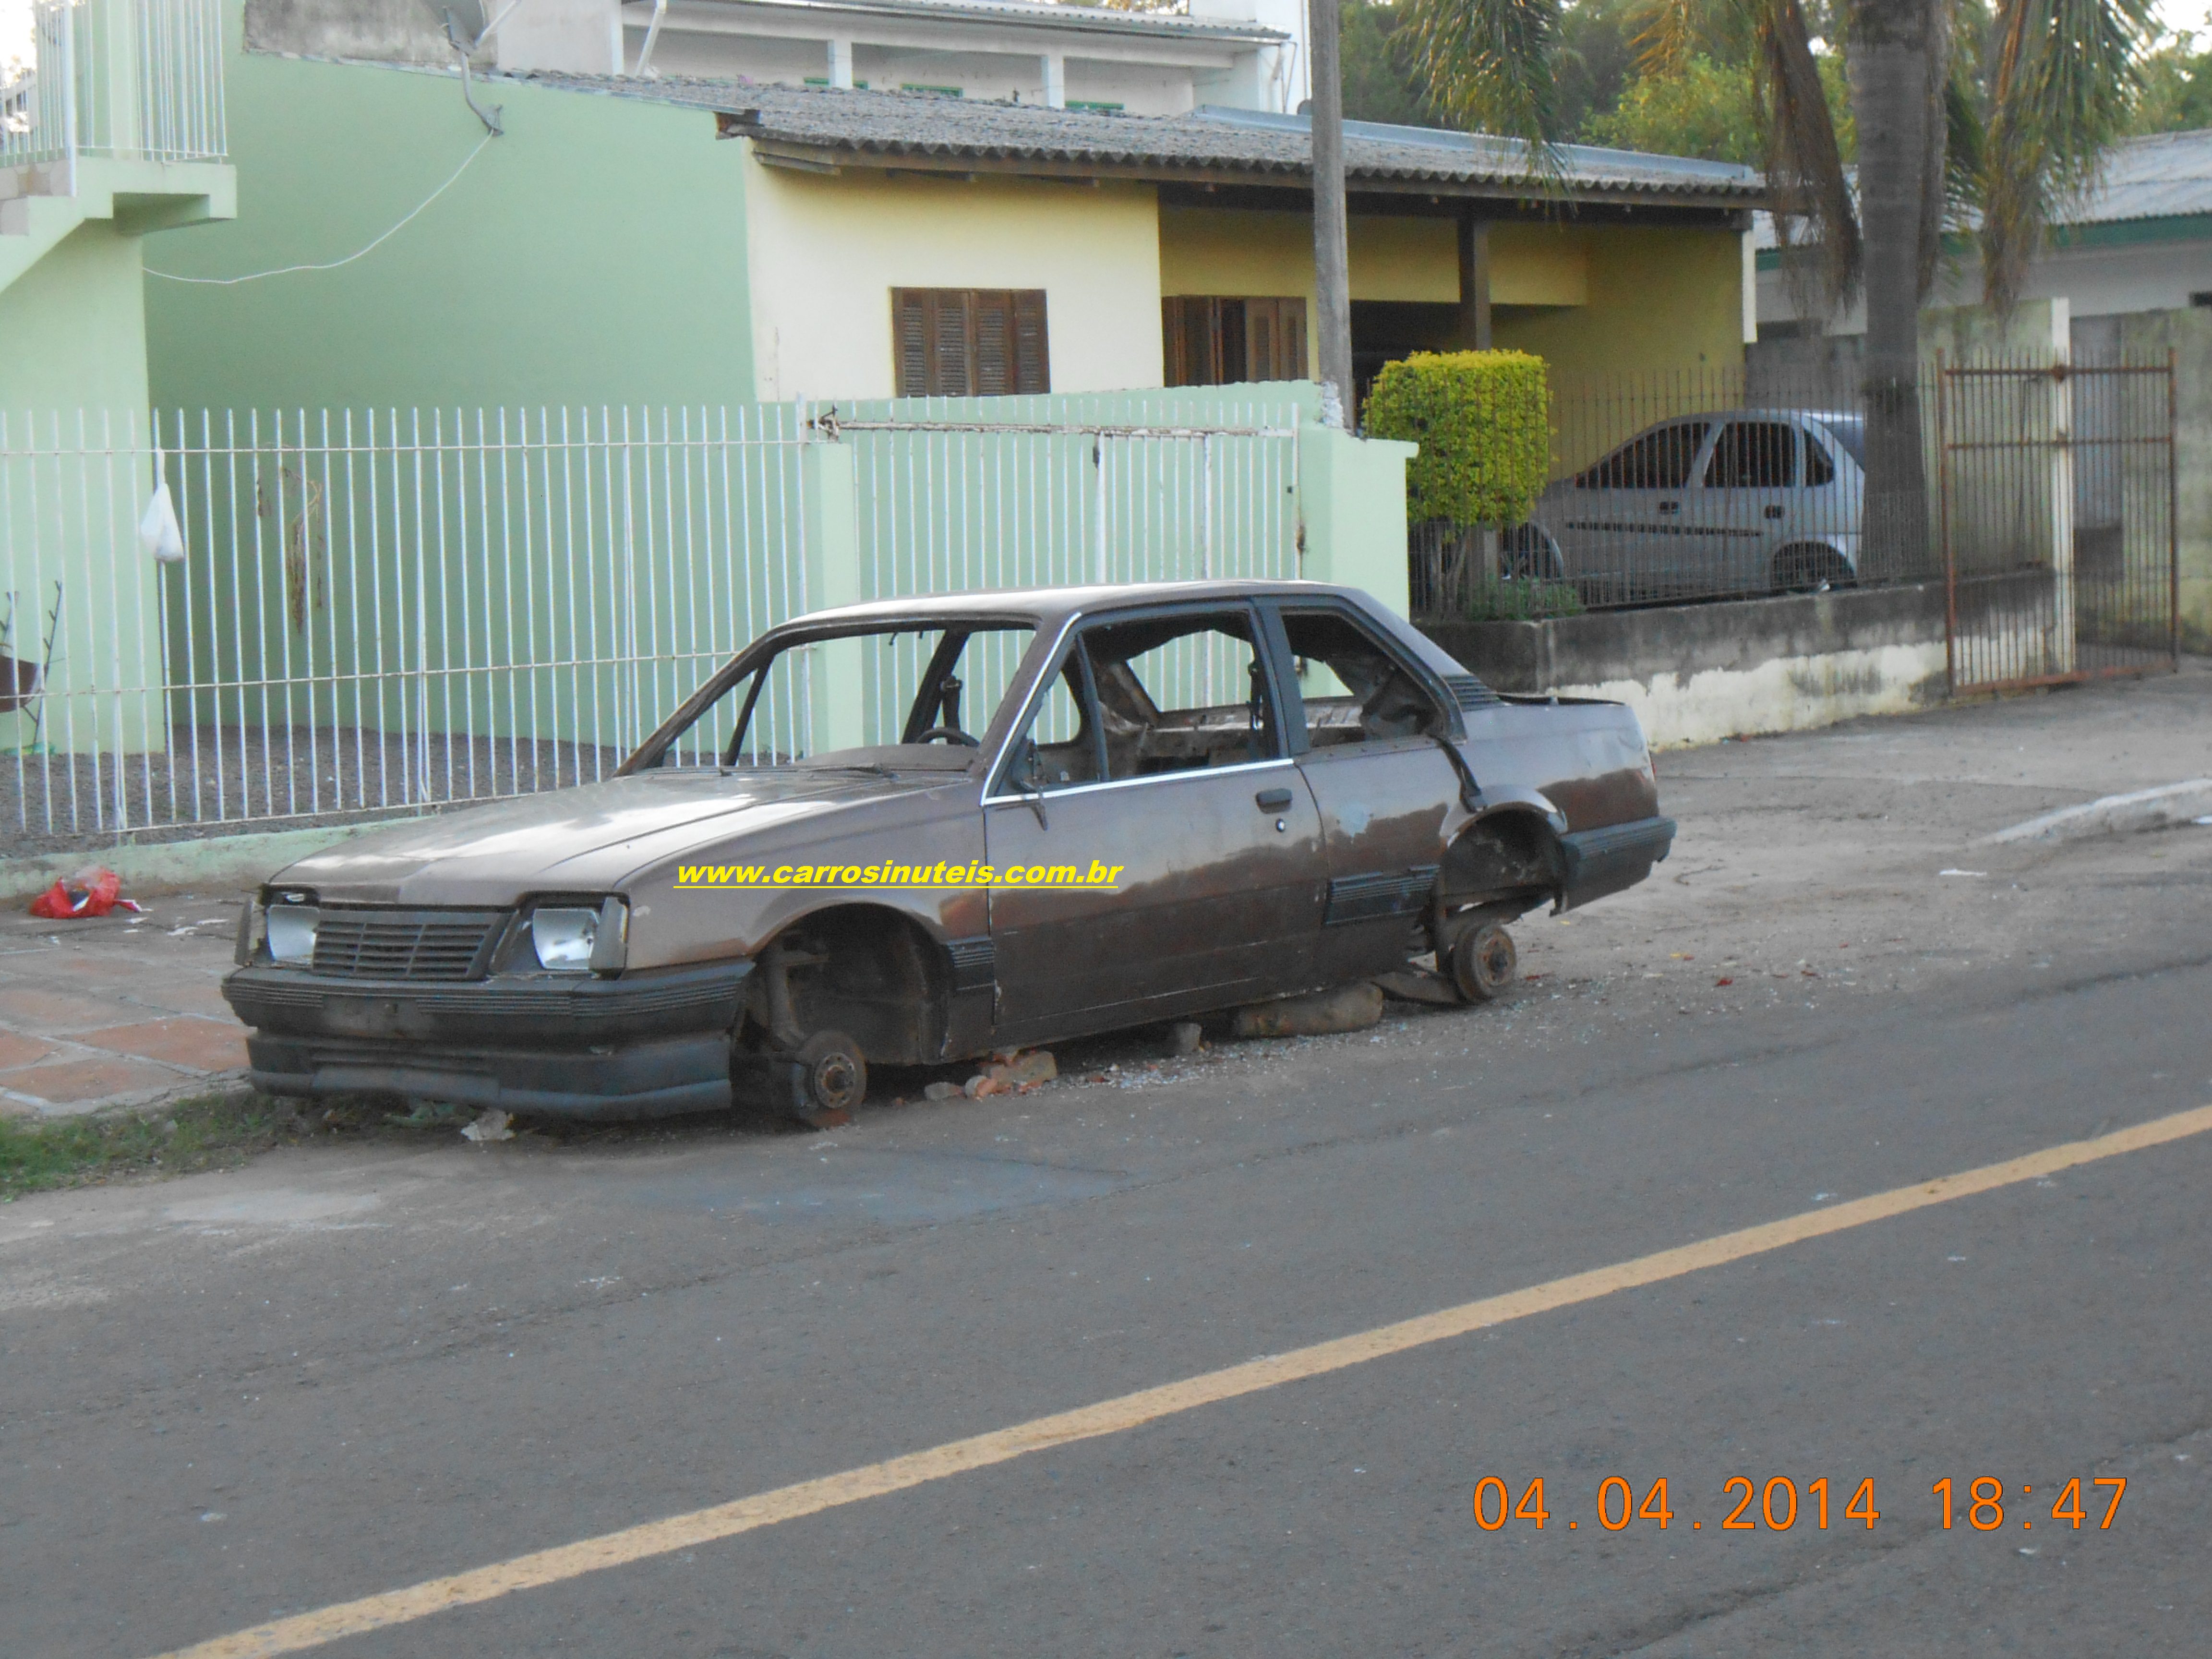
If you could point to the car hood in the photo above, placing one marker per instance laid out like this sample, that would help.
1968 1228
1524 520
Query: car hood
583 840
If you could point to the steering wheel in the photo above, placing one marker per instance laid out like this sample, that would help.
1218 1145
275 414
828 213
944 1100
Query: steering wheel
950 734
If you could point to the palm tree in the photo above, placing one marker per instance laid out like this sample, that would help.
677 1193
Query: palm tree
1957 111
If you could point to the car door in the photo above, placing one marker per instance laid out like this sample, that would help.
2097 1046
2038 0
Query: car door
1379 779
1155 749
1740 512
1621 526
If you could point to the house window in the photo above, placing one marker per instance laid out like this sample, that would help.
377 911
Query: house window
1221 341
969 342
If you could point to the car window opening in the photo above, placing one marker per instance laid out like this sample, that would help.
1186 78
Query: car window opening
900 695
1354 690
1159 694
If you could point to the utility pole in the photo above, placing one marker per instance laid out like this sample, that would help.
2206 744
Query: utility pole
1332 283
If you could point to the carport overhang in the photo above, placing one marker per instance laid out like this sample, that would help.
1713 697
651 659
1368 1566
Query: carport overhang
1252 187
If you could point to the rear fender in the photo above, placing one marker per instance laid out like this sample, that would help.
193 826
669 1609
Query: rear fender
1503 862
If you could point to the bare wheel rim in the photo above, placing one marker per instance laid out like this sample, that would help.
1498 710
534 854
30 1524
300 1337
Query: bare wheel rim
1484 962
832 1071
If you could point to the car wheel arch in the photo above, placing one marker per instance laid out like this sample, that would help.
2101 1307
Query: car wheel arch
869 969
1804 565
1508 859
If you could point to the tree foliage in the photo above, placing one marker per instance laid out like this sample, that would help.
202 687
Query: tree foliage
1380 82
1710 110
1483 421
2024 95
2177 88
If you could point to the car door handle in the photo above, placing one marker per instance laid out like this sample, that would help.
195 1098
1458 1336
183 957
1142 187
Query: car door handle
1272 801
1774 512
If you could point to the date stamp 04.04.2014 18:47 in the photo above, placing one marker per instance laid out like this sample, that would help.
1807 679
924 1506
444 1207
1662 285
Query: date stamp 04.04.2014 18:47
1776 1506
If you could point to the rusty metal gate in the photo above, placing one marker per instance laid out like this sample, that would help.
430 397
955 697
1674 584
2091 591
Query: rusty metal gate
2055 502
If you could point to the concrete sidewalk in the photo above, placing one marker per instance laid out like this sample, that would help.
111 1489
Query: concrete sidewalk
126 1011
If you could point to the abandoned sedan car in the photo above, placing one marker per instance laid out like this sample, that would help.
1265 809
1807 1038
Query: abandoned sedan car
926 830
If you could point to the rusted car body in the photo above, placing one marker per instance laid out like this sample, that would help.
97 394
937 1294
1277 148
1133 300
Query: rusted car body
1299 790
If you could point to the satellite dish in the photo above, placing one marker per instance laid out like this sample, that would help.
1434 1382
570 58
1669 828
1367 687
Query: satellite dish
463 20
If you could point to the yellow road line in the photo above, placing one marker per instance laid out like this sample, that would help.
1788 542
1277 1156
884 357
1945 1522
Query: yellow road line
552 1566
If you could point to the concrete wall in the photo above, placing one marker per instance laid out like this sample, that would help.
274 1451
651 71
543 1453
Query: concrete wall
825 253
1698 673
2135 265
1353 495
2187 333
594 254
73 378
75 467
1812 366
73 327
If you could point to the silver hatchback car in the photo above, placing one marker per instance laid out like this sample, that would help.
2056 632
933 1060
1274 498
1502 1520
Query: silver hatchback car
1741 500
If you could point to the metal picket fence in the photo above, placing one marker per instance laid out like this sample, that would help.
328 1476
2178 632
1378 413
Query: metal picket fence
136 79
361 612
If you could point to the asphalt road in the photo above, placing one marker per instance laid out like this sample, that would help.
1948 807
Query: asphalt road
340 1372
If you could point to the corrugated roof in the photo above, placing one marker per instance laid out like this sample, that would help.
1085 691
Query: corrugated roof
1040 14
2161 177
2167 175
837 126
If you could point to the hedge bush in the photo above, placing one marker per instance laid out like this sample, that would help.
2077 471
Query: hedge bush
1483 421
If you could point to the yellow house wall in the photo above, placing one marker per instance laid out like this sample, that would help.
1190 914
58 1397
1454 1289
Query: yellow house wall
1653 298
1601 280
824 253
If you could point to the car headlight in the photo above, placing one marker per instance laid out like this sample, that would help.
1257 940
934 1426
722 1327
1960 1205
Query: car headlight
289 930
574 940
564 939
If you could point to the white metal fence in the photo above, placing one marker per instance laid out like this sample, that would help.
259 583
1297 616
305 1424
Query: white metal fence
130 79
365 612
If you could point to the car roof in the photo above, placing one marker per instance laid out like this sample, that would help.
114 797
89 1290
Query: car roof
1762 413
1048 605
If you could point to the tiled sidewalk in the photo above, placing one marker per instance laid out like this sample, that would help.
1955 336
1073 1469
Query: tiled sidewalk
118 1011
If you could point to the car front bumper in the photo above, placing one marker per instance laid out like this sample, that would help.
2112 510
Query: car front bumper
646 1044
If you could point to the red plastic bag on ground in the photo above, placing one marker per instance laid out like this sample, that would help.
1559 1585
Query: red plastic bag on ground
92 892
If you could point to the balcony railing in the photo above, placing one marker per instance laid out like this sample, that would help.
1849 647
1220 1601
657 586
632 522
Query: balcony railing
133 80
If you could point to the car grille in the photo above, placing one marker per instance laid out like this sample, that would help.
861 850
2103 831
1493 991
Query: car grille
421 944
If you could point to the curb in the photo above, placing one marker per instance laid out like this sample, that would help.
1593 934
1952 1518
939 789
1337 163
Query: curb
2162 808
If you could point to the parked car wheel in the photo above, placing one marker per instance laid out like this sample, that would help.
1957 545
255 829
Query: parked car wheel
829 1080
1483 964
1811 570
1528 553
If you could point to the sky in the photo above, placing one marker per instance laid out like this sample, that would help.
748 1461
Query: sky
2195 15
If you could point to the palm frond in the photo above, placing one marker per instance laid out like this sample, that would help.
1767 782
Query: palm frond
1491 67
1965 150
1810 198
2066 76
1667 35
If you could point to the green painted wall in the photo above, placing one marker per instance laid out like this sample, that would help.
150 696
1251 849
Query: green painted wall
73 327
595 254
72 409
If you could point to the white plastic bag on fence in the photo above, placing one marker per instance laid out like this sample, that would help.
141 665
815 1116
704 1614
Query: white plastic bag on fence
158 530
